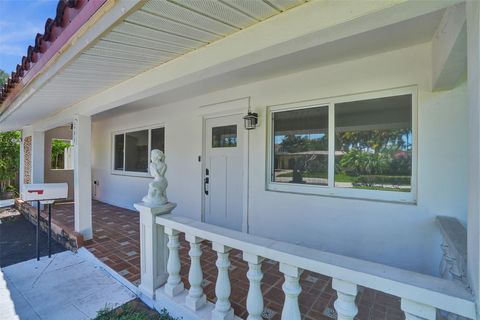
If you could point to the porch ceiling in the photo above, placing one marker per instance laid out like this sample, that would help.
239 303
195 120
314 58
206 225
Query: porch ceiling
155 33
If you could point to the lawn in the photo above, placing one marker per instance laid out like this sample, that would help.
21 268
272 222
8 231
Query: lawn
339 177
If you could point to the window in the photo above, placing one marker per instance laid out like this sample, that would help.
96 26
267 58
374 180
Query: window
373 144
224 137
301 146
359 146
131 149
61 154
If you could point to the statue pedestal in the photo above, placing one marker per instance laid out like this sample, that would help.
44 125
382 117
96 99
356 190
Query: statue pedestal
153 247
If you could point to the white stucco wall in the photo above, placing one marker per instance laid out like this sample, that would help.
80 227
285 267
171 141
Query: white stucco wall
396 234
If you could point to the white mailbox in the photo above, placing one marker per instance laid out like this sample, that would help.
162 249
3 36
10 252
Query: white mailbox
44 191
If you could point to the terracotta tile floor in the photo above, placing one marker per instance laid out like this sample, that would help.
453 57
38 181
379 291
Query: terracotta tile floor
116 236
116 243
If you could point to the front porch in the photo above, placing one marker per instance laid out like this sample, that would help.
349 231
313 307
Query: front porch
116 242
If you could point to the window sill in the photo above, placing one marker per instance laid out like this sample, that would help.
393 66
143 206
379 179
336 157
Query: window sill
356 194
131 174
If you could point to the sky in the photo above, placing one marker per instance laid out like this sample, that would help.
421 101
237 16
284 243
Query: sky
20 21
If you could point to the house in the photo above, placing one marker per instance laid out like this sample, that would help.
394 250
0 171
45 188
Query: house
364 165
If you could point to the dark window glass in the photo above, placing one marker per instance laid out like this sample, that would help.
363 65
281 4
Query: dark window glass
119 145
136 151
301 146
158 139
373 144
224 137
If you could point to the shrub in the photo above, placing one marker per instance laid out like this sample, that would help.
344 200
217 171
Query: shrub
370 180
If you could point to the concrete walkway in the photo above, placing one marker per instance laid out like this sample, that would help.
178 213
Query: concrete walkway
66 286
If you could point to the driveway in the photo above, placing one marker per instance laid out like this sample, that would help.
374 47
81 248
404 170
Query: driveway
67 286
17 239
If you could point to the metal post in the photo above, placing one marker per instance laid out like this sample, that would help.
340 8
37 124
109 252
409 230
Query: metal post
38 230
49 230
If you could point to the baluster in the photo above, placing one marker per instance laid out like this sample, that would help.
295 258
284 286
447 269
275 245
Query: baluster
223 309
417 311
174 283
254 297
291 287
195 298
345 304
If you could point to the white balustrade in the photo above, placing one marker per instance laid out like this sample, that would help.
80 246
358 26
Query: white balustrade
195 298
254 296
347 274
345 304
291 287
417 311
174 284
223 309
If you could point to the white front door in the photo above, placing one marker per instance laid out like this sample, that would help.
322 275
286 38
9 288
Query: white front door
223 173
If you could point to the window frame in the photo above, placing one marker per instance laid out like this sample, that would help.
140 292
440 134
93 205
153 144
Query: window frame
124 172
331 190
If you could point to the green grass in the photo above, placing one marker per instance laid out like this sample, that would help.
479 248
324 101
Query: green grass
339 177
382 188
133 310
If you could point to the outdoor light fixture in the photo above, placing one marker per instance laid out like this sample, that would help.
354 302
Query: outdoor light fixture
251 119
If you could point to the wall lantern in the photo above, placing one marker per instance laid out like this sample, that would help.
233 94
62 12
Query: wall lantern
251 119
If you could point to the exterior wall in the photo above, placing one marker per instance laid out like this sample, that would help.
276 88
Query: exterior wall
396 234
52 176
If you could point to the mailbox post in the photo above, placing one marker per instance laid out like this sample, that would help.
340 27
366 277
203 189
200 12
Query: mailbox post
44 193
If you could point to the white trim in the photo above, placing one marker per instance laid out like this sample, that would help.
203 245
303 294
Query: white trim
331 190
123 172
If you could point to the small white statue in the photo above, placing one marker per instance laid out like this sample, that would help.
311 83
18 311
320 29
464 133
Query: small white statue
157 189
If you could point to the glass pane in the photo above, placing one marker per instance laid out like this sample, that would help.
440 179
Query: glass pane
118 156
61 154
301 146
136 151
158 139
373 144
224 137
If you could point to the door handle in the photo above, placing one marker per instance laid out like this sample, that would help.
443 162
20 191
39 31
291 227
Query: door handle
205 184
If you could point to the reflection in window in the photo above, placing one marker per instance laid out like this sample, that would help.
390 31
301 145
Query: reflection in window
131 149
61 155
224 137
136 151
301 146
119 147
158 139
373 144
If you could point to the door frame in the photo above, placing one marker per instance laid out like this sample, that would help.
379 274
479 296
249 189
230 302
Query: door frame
218 110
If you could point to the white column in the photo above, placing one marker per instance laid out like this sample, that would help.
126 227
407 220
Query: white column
82 175
38 157
291 287
223 310
153 248
255 296
174 284
417 311
195 298
345 304
473 219
21 169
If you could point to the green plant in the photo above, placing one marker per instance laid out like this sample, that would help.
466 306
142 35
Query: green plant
357 162
9 159
133 310
377 179
58 153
